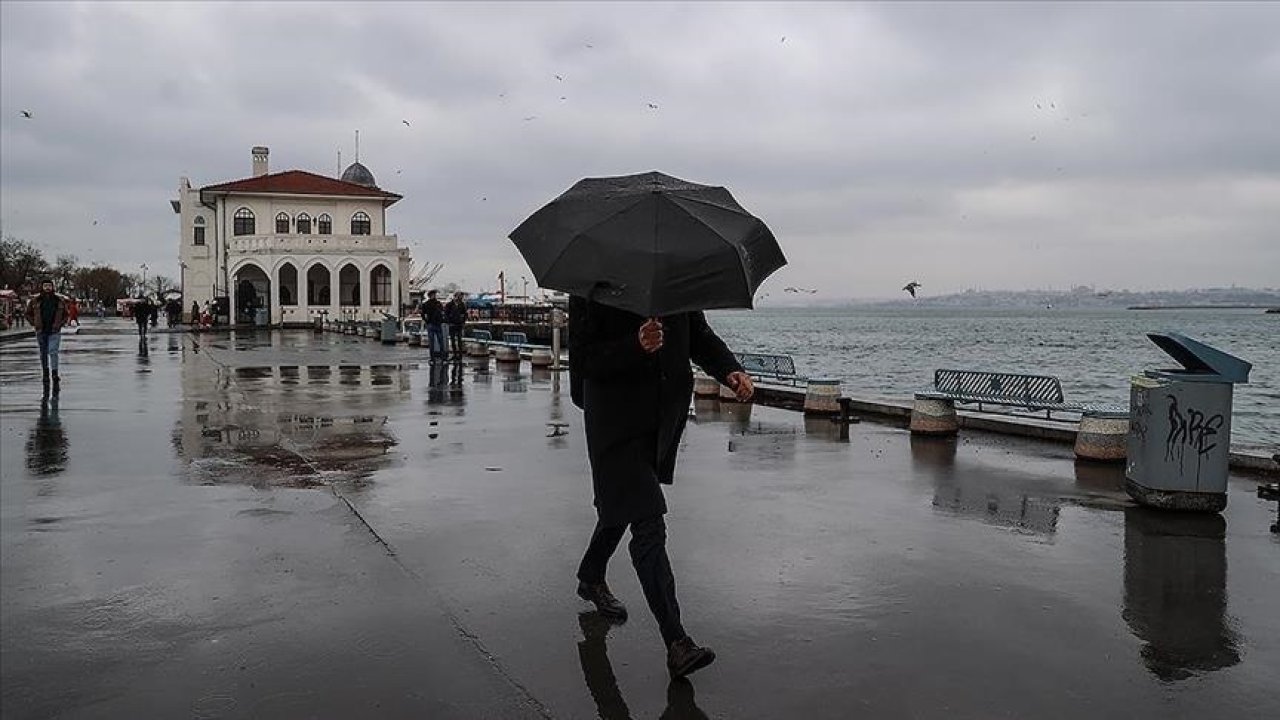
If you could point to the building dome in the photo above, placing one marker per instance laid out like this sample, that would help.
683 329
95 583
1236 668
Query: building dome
359 174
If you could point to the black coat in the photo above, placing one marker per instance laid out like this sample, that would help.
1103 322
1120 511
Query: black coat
433 312
636 404
455 312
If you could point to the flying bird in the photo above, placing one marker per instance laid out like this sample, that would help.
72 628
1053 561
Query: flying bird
911 287
531 117
589 45
406 123
25 113
1038 106
560 78
784 39
652 106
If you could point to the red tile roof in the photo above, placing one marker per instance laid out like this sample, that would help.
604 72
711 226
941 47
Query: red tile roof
299 182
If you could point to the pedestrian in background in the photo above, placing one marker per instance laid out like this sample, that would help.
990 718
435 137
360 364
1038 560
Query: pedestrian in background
433 317
455 314
47 313
142 315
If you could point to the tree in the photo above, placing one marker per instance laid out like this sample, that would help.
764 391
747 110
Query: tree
102 283
161 284
64 272
21 263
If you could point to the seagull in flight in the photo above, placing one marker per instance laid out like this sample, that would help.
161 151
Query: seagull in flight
406 123
911 287
26 114
652 106
559 78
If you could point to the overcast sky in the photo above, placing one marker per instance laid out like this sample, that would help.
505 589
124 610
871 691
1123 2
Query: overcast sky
989 145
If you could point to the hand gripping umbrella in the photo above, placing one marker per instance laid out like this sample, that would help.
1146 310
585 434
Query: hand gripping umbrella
651 244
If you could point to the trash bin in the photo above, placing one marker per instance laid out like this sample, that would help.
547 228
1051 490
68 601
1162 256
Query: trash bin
390 328
1180 428
260 317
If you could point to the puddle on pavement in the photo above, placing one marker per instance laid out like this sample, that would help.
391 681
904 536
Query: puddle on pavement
264 426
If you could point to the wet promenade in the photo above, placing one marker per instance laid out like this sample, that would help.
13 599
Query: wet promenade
287 525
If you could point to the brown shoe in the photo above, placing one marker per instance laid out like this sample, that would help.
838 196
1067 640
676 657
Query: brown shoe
608 605
685 656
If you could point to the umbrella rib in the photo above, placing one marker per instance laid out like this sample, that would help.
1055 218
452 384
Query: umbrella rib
720 237
737 210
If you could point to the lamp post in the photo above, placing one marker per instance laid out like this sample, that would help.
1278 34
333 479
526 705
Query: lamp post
144 277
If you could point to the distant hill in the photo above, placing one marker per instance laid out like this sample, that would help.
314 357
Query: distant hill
1089 297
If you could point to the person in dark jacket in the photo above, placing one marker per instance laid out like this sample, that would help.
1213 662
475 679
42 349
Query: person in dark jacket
142 315
455 314
433 317
47 312
632 379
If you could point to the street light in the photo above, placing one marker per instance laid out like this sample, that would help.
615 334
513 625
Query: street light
144 277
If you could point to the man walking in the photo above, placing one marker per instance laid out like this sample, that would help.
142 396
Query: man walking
455 314
47 313
433 316
142 315
631 377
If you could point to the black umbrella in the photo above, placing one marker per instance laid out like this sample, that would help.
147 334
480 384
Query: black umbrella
651 244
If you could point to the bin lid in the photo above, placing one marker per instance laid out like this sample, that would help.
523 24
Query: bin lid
1197 357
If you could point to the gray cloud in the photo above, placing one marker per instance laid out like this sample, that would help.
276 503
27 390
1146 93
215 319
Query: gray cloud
880 142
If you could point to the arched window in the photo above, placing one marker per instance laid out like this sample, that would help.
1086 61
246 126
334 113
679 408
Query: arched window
326 224
198 236
304 224
380 286
243 222
282 223
360 224
288 283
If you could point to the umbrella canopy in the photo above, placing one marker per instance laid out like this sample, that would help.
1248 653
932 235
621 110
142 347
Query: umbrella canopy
651 244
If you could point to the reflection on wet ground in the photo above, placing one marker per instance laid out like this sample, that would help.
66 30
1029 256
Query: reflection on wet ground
152 526
602 683
1175 592
286 424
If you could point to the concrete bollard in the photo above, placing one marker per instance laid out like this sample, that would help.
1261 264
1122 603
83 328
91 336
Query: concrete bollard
506 354
1103 436
477 349
822 397
934 416
705 386
540 357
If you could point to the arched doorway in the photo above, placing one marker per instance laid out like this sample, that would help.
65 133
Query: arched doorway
349 286
252 293
319 280
380 286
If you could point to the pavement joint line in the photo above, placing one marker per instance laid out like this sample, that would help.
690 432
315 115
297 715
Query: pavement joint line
459 627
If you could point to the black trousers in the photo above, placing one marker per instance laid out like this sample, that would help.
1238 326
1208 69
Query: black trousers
455 339
649 557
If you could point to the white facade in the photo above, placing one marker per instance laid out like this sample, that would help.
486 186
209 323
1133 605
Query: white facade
280 260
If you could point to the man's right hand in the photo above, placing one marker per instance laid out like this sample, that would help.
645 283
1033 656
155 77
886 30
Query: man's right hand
651 335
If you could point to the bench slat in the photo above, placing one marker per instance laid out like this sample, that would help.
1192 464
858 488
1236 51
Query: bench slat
1019 389
761 364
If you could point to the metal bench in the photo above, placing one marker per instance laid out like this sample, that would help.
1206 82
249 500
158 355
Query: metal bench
774 368
1038 393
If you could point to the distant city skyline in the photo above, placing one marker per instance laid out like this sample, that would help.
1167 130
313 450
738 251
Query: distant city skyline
1015 146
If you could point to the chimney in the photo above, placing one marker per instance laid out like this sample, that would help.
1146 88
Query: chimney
260 161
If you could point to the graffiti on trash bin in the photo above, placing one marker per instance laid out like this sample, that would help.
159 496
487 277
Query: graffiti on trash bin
1190 430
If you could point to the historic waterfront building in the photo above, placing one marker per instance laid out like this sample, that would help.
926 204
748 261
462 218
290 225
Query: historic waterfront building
287 247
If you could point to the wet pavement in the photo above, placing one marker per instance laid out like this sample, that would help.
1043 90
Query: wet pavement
287 525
